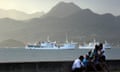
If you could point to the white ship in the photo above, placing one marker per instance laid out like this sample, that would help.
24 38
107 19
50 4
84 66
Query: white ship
51 45
91 45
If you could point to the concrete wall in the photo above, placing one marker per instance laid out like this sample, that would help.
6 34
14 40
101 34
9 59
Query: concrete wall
47 66
36 67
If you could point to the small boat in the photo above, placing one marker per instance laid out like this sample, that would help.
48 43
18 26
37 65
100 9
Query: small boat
91 45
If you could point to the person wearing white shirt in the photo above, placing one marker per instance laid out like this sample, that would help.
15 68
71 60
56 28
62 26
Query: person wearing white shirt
78 65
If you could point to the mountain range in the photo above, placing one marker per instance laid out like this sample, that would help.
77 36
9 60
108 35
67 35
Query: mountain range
64 18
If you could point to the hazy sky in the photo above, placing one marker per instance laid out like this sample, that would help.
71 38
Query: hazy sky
29 6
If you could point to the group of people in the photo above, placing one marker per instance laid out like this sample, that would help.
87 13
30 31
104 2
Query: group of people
94 60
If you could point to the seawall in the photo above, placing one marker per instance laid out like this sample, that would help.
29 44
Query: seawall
64 66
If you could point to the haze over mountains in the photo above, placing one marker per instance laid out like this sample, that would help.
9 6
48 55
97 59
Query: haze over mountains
65 18
19 15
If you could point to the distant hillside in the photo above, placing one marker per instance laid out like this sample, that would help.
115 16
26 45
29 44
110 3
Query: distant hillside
63 9
19 15
11 43
64 18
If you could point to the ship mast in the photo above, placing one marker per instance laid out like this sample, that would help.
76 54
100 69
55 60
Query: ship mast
48 38
66 38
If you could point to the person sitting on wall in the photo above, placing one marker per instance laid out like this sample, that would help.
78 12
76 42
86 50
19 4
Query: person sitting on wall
93 59
102 52
102 57
78 65
86 62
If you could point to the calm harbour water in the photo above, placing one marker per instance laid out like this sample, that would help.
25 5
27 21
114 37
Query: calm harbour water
21 54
